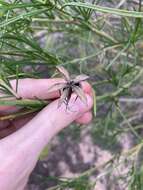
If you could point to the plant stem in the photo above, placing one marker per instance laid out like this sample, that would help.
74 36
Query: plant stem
24 103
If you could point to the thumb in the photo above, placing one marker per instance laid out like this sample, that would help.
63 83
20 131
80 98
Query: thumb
47 123
28 142
52 118
61 117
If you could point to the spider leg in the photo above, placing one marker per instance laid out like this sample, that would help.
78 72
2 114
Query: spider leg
63 98
66 103
80 93
56 87
76 98
60 91
67 106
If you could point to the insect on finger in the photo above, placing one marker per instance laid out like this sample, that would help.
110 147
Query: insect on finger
69 86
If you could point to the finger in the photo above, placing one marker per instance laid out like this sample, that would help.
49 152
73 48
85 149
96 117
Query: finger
8 127
85 118
53 119
31 88
25 145
38 88
63 116
87 88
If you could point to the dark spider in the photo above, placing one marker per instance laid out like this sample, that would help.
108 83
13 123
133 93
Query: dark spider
69 86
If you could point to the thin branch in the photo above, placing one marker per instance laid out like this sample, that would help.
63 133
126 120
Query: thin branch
121 89
24 103
129 124
131 100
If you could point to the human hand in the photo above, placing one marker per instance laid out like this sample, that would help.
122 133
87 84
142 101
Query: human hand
31 89
19 151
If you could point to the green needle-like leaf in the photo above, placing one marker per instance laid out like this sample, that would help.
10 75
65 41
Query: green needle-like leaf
108 10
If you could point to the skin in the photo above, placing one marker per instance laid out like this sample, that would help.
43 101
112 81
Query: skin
22 140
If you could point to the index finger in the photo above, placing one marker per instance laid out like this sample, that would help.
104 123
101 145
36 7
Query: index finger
31 88
39 88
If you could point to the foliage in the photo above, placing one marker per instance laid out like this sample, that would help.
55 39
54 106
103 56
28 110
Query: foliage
103 39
